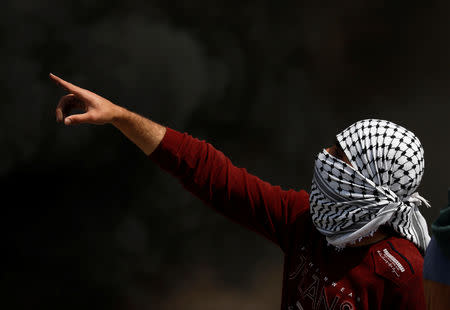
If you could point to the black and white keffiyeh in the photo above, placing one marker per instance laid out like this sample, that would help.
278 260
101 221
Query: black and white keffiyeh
348 203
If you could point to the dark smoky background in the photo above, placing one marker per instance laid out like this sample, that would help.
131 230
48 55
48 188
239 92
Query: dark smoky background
89 222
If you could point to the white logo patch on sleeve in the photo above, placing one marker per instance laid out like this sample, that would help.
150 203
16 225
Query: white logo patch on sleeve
393 263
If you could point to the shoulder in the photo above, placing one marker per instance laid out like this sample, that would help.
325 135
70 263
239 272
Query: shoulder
297 202
397 260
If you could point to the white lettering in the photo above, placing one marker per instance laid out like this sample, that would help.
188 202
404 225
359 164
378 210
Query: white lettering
394 260
299 305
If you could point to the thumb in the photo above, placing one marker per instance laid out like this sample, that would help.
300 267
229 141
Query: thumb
77 119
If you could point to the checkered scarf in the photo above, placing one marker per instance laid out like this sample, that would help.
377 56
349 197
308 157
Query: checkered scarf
348 203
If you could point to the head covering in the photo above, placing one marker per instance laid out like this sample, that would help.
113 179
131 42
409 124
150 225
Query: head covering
348 203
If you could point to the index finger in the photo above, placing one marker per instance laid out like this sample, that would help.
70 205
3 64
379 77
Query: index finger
71 88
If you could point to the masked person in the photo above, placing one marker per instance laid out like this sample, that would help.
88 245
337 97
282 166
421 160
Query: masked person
355 242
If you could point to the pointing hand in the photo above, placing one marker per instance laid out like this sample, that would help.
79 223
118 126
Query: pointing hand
97 110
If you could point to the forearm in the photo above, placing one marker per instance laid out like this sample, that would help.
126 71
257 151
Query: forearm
146 134
203 170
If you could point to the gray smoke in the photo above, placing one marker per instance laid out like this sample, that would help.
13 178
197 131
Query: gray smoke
269 85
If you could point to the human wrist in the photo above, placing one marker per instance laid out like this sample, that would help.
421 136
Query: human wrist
119 114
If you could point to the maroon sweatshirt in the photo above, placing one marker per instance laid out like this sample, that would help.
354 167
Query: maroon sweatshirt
384 275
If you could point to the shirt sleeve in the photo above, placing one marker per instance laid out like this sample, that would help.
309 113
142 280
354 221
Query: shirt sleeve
232 191
409 296
399 263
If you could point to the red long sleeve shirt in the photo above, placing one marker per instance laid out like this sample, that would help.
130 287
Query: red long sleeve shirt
384 275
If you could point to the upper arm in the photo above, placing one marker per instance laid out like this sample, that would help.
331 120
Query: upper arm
408 296
230 190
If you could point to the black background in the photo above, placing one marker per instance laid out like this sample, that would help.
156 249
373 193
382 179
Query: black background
89 222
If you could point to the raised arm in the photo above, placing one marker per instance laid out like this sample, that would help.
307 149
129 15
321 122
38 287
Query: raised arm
202 169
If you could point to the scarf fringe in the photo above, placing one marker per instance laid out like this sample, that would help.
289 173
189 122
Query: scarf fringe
340 247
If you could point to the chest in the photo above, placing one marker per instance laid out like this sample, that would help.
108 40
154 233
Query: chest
314 279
